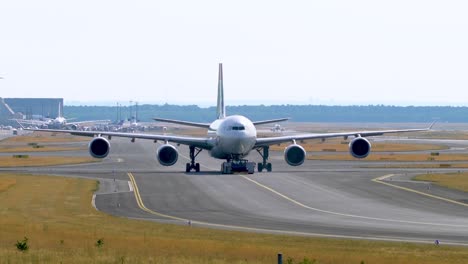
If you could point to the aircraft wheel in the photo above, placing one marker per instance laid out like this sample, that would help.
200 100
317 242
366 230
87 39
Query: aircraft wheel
197 167
268 167
187 167
260 167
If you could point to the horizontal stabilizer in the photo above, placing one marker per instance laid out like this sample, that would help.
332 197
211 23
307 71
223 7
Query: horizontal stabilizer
256 123
185 123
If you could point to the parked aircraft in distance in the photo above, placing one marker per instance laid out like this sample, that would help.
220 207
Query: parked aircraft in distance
230 138
277 128
60 122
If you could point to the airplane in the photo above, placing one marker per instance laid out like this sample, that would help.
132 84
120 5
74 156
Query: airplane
230 138
277 128
59 122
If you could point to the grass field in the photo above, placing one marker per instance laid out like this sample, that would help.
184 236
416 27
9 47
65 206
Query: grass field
56 216
45 137
41 142
457 134
420 165
42 148
394 157
457 181
33 161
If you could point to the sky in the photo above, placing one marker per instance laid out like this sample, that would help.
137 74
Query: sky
273 52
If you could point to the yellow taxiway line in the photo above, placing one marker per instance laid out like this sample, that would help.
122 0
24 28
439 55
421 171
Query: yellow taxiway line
251 229
144 208
142 205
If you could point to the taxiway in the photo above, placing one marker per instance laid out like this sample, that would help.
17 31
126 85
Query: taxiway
323 198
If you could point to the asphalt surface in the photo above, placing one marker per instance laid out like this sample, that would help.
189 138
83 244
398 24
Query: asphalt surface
324 198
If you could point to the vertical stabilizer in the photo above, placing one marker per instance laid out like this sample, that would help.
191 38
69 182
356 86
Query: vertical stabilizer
220 109
59 113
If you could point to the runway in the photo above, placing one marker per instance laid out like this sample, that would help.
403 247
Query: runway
323 198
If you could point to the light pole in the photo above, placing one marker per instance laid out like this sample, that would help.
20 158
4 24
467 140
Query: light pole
131 111
136 112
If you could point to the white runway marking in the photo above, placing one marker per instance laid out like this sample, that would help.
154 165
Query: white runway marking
381 180
271 231
93 202
346 215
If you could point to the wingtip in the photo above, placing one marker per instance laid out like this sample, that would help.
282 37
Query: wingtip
432 124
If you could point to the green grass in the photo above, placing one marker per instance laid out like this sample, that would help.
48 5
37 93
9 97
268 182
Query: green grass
458 181
56 216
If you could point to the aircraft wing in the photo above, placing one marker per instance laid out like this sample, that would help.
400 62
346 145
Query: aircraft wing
180 122
88 122
200 142
206 125
30 122
261 142
256 123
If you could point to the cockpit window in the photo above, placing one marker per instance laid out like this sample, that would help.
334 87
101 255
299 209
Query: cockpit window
238 128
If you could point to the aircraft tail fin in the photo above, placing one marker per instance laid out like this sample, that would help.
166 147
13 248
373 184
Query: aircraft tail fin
220 109
59 112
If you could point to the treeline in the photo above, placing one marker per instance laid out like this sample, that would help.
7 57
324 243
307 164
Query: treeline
297 113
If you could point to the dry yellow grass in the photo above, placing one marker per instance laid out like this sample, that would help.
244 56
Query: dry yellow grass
459 135
33 161
7 183
62 227
421 165
337 145
43 148
45 137
457 181
394 157
41 142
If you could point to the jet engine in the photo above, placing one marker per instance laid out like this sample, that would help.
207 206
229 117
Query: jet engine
167 155
99 147
294 155
72 127
359 147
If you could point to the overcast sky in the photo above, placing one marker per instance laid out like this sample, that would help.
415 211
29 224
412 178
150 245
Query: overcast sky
273 52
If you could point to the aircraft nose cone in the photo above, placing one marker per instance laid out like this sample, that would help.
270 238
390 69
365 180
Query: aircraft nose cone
240 144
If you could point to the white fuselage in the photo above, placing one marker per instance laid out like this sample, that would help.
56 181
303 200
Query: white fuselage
60 121
235 136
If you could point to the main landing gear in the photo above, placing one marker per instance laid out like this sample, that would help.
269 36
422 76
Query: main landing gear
265 164
237 165
234 164
192 165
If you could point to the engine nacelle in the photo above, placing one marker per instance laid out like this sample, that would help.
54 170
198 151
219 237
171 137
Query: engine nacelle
167 155
72 127
294 155
359 147
99 147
